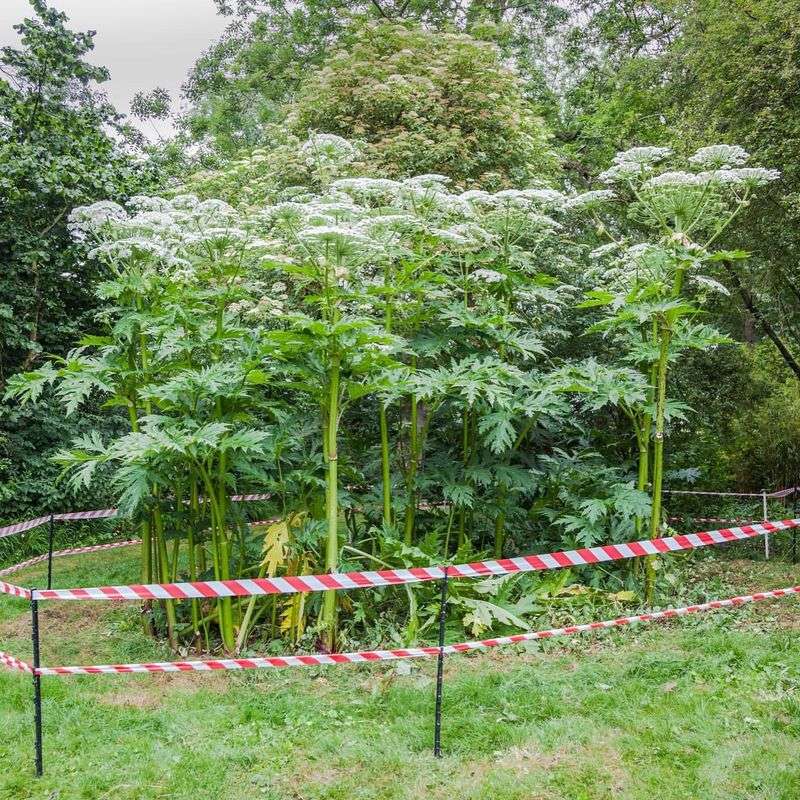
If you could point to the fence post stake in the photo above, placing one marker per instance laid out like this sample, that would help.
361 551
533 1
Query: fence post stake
37 686
794 530
766 519
50 536
437 729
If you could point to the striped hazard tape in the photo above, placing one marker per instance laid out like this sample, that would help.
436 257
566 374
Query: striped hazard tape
97 513
14 663
713 519
70 551
370 656
14 591
393 577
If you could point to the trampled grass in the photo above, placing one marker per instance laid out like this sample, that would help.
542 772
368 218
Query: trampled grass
703 708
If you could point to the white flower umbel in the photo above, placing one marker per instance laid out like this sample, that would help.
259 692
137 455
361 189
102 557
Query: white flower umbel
643 156
743 176
719 156
675 179
134 247
589 199
624 172
328 149
428 180
466 236
185 202
549 199
483 275
370 189
85 220
142 202
335 234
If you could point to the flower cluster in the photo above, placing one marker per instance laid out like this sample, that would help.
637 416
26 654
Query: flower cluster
719 156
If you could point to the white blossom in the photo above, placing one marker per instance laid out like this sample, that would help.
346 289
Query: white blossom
89 219
643 156
719 156
625 171
549 198
335 234
589 199
328 149
487 275
675 179
141 202
746 176
122 249
368 188
185 202
218 235
428 180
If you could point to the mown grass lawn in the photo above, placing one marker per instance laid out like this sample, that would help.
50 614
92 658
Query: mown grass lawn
702 708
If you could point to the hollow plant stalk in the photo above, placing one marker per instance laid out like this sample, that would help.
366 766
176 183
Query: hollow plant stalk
386 473
666 331
331 496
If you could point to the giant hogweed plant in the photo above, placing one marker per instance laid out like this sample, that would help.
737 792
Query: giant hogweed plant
464 284
655 288
180 364
225 327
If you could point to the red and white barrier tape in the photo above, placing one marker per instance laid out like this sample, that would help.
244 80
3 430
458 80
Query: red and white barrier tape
742 521
70 551
97 513
14 591
393 577
20 527
13 663
93 548
369 656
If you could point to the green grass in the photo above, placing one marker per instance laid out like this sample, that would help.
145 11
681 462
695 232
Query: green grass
703 708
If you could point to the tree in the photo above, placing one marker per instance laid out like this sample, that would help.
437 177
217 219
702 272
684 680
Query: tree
243 81
56 151
680 74
427 103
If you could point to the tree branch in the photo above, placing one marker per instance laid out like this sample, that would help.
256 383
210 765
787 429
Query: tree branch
749 304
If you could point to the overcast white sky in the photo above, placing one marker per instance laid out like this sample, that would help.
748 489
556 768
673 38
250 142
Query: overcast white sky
145 43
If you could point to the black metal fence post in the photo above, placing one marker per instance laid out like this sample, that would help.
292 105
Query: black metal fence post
437 729
794 530
50 537
37 687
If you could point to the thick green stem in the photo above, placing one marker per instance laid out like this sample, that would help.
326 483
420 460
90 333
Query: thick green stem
661 401
193 515
244 628
164 573
386 475
219 552
462 513
644 470
411 476
658 433
332 498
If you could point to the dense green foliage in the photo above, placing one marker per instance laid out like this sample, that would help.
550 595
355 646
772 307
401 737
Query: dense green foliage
56 151
426 102
389 278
